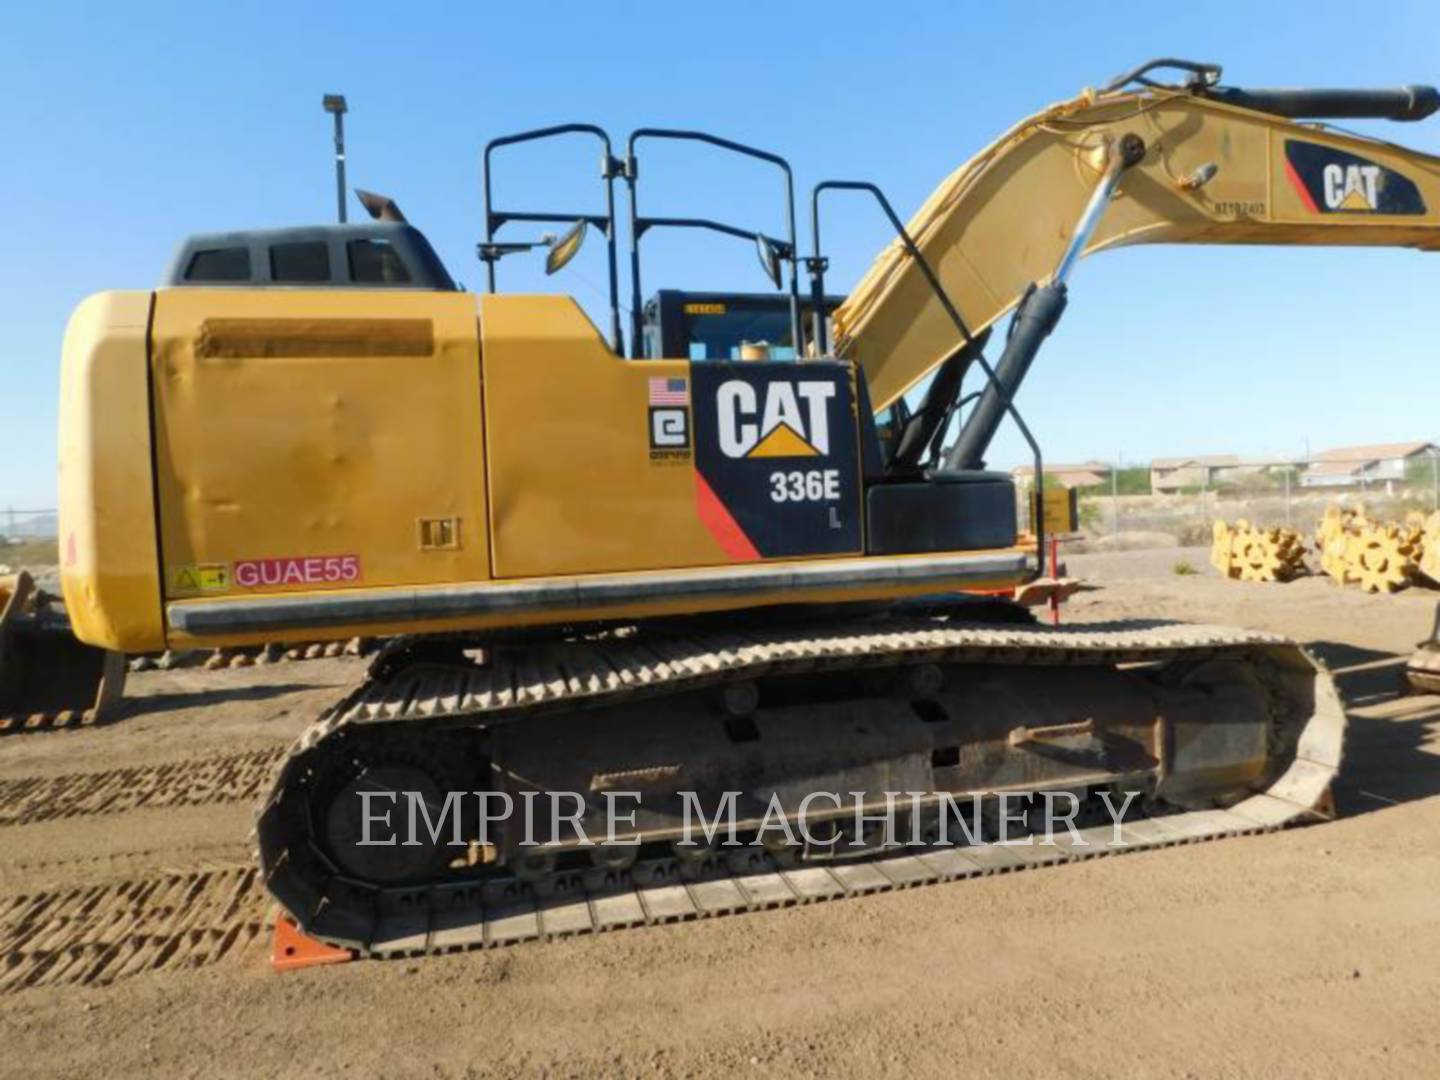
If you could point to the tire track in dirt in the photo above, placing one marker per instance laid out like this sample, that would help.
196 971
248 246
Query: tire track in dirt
94 935
189 782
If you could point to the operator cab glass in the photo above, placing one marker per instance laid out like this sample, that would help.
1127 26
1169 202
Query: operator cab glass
306 262
717 331
376 262
227 264
715 326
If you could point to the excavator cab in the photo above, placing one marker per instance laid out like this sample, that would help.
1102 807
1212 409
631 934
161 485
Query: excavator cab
386 253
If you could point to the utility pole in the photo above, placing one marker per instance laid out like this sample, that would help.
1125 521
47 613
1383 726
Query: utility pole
335 105
1115 497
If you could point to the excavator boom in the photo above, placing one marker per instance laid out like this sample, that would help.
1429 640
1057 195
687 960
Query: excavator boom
1215 170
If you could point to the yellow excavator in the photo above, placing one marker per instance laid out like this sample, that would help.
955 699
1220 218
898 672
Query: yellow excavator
737 563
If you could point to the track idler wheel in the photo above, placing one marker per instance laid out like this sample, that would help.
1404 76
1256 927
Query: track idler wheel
380 813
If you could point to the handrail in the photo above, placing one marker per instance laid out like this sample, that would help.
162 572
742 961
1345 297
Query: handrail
610 167
639 225
817 266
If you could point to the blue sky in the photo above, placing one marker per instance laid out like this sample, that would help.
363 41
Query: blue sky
126 126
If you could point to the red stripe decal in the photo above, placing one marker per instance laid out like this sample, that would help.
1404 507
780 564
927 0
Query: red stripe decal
1300 187
722 526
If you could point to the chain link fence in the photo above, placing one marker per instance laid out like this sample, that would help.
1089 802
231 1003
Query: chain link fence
18 524
1116 516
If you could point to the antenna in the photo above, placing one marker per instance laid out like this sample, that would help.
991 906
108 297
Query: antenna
335 105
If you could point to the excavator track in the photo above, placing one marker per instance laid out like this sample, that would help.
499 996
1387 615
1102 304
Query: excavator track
251 656
479 909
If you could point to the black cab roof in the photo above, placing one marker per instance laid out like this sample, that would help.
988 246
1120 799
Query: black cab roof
365 255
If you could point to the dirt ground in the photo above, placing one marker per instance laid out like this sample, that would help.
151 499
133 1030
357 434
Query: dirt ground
134 935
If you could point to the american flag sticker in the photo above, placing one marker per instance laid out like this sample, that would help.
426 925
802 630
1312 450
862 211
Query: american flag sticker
669 392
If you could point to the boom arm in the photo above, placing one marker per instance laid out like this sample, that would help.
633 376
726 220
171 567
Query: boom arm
1212 172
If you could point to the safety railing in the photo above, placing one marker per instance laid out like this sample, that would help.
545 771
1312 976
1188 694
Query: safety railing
817 265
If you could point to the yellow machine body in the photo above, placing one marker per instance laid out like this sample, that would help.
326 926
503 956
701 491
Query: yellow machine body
247 464
109 553
389 446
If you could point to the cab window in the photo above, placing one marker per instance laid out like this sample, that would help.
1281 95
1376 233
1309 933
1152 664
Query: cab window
376 262
219 264
308 261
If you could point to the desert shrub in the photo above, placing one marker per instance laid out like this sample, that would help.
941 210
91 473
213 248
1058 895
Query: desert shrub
1193 533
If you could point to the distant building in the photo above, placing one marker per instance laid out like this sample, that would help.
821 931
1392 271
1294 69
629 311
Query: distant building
1169 475
1350 465
1340 467
1085 475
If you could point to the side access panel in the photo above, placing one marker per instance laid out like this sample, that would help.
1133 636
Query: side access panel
599 464
317 440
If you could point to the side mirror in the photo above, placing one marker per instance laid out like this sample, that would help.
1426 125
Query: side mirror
769 259
564 249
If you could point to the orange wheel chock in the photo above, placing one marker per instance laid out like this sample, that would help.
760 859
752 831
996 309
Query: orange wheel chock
293 949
